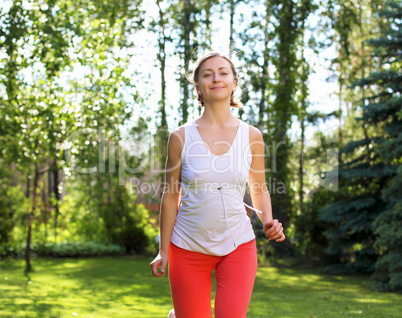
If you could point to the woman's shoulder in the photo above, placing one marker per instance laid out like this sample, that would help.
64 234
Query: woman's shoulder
179 131
254 133
176 137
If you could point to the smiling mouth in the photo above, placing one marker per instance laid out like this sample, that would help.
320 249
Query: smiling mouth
217 87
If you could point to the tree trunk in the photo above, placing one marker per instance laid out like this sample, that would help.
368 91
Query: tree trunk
163 128
301 181
45 208
187 56
363 53
284 109
208 38
265 79
232 13
28 187
303 112
57 197
31 216
30 220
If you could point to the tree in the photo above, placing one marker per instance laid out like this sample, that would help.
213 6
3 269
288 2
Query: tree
46 41
31 104
258 57
346 26
384 110
162 134
370 172
290 18
185 13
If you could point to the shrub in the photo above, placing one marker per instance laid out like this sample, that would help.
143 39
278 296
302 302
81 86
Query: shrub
8 249
76 249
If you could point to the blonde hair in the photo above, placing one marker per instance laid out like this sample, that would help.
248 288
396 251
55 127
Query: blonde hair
234 101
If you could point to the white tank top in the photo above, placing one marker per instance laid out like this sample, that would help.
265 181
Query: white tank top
212 218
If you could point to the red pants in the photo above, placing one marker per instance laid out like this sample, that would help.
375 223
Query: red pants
190 276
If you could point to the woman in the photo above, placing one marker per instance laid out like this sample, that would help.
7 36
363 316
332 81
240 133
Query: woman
203 221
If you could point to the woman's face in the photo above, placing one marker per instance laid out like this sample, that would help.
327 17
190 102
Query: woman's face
216 80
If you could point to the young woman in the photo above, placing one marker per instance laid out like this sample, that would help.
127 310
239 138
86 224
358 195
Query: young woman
203 221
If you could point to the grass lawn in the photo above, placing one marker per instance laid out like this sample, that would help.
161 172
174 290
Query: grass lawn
123 287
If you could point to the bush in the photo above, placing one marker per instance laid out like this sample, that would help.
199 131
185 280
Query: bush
8 249
133 239
76 249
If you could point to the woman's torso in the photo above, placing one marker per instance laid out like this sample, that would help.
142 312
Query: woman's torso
212 218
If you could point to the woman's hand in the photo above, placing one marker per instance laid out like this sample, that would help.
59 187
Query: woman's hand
274 231
161 261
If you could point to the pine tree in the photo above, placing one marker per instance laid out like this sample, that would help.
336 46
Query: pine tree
384 109
366 222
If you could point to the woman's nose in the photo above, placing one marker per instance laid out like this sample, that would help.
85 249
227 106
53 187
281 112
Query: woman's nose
216 77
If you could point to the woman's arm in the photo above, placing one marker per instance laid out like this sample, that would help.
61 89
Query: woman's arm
170 200
258 188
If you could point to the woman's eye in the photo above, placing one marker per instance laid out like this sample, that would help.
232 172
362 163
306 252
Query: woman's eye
205 75
224 73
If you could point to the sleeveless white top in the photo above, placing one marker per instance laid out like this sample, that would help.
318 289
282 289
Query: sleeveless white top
212 218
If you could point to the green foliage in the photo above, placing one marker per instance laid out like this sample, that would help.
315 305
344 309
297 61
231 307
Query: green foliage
310 239
6 220
113 217
63 75
270 43
366 222
124 222
13 205
389 237
350 231
352 238
10 250
388 224
76 249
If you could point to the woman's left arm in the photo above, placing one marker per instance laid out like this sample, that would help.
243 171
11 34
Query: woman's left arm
258 188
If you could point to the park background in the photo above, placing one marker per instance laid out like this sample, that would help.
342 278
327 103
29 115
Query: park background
89 92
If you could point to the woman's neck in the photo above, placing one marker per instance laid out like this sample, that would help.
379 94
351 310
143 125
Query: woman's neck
217 114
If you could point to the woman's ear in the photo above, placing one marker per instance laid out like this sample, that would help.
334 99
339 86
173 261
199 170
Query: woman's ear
197 89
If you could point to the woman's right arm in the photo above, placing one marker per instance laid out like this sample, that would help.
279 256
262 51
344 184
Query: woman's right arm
170 200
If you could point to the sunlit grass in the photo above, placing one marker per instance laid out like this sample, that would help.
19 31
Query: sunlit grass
283 292
123 287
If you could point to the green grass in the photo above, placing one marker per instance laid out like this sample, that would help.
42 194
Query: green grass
124 287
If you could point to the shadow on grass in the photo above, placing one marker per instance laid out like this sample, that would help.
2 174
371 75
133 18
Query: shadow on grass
124 287
294 292
111 287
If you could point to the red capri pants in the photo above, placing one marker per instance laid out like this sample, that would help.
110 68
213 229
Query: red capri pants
190 276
